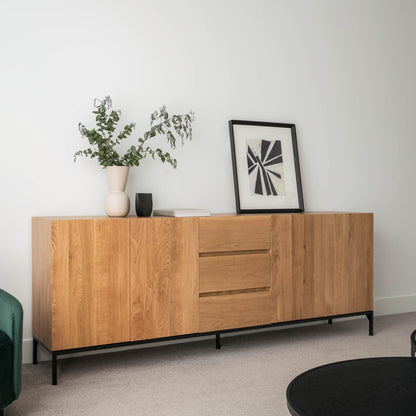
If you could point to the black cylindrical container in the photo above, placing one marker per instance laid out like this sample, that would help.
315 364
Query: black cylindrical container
144 205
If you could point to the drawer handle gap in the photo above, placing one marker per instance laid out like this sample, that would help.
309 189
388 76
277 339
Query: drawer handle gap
234 292
234 253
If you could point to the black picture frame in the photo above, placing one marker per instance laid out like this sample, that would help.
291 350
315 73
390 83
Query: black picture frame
271 187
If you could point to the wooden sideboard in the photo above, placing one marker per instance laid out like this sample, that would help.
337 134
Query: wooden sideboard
102 282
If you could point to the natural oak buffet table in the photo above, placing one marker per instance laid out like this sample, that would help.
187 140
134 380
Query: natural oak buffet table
102 282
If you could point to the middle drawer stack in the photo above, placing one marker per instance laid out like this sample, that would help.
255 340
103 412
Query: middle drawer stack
234 272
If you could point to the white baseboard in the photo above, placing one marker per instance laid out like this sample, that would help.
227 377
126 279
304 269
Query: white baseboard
382 306
395 304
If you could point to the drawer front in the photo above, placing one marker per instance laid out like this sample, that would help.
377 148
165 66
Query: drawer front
223 234
234 311
234 272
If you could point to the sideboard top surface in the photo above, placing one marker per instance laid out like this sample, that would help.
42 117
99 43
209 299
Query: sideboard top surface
104 217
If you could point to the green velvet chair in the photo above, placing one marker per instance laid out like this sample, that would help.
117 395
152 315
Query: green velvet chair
11 324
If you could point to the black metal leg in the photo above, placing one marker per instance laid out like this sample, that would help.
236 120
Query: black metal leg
370 317
330 321
54 369
217 341
1 412
35 352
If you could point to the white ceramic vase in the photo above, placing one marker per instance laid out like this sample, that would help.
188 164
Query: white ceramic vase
117 202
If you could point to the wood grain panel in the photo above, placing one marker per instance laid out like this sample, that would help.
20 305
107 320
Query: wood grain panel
164 277
90 287
218 234
349 263
41 281
313 274
234 311
221 273
282 283
298 288
322 265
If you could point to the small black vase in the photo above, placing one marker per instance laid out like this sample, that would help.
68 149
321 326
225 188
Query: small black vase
144 205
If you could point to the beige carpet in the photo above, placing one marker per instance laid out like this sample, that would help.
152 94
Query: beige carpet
248 376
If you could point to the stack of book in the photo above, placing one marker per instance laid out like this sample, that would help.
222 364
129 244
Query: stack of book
181 212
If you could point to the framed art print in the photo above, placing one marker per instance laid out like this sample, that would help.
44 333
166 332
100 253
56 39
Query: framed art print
265 167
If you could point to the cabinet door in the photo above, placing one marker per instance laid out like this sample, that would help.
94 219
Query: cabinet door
164 277
298 283
90 282
348 263
322 265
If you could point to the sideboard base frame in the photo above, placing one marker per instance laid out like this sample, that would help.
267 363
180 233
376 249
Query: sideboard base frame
368 314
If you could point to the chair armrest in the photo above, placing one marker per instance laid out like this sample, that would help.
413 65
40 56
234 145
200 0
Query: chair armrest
413 344
11 323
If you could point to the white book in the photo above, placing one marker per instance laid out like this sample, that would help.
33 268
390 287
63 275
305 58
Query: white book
181 212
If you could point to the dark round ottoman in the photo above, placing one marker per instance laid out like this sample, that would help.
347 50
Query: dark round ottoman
365 387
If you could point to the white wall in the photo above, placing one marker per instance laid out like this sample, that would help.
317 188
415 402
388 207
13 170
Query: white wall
342 71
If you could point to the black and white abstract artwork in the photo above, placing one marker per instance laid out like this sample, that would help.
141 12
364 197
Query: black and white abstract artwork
265 167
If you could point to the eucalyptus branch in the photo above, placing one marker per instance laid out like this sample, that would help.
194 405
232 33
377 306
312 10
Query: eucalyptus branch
175 128
181 125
